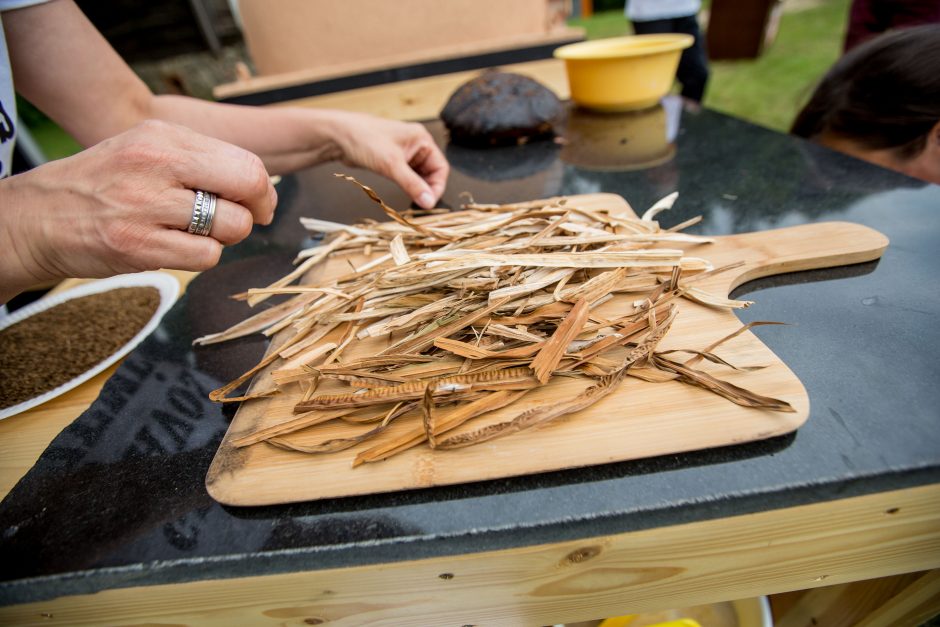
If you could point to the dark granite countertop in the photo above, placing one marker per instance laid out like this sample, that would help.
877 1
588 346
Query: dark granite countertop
118 498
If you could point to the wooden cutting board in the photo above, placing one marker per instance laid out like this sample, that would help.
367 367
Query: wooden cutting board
639 419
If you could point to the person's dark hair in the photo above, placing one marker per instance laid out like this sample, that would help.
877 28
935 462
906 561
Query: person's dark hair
884 94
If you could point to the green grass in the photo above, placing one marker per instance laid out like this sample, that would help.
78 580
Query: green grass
771 89
55 142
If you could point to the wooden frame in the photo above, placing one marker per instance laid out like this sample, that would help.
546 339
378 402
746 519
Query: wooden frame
742 556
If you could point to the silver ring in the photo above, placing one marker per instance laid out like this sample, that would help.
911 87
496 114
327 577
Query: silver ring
203 213
208 213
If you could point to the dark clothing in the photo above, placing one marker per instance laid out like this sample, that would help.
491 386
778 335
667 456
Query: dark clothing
693 65
868 18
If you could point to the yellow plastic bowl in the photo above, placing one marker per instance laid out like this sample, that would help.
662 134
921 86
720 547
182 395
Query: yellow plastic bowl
622 73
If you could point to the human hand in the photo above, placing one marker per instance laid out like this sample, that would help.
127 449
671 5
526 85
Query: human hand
405 152
124 205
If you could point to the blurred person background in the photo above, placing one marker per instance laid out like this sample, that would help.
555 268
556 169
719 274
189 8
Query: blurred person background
881 103
675 16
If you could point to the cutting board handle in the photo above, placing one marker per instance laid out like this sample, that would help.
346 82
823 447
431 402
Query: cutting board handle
791 249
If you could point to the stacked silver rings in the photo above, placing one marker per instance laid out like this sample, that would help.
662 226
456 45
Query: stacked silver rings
203 212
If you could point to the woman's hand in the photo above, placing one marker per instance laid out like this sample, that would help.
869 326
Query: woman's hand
124 206
405 152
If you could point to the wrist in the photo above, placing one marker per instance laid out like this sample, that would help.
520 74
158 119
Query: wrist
23 255
329 132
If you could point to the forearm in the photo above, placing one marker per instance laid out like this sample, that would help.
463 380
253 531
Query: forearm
67 69
286 139
292 138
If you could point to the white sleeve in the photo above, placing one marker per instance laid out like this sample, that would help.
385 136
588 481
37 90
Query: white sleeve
8 5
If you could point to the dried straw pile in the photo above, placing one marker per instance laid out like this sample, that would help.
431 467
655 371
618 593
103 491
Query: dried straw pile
476 308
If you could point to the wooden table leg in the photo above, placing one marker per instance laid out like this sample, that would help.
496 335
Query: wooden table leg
899 601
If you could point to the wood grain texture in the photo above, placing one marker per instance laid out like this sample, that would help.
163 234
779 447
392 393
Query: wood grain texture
838 606
910 607
25 436
639 419
730 558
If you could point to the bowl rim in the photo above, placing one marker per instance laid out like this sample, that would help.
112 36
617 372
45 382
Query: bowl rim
610 47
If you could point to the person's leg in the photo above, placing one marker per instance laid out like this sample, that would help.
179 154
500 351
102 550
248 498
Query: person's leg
652 27
693 65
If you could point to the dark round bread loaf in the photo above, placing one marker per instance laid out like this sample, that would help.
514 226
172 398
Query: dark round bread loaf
498 108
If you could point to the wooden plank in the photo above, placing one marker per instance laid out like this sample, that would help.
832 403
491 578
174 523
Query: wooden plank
911 607
731 558
839 606
651 418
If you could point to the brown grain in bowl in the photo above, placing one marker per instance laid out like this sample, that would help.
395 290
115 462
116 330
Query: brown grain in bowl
44 351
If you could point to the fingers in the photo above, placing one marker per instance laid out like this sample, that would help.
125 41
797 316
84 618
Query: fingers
422 171
412 184
168 243
177 250
232 174
430 163
199 162
231 222
244 191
